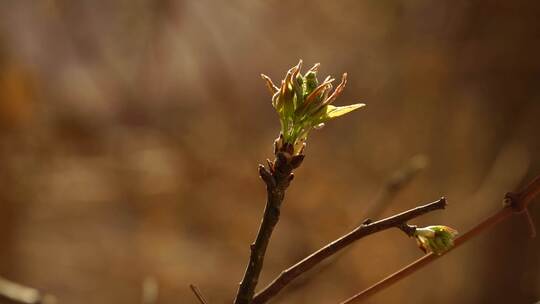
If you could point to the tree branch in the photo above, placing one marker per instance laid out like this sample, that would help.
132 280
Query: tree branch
514 203
396 221
277 178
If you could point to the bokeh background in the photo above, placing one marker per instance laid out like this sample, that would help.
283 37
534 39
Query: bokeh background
130 133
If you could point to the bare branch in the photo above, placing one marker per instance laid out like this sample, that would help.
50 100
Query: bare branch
396 221
514 203
277 179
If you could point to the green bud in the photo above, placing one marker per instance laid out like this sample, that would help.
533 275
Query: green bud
311 82
303 104
436 239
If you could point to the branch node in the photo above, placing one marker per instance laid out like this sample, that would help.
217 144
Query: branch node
408 229
514 200
519 200
444 202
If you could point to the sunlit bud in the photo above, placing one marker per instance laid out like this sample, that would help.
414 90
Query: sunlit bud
303 104
436 239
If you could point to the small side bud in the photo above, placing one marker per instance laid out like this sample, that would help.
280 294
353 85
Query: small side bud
270 165
297 160
436 239
291 177
266 176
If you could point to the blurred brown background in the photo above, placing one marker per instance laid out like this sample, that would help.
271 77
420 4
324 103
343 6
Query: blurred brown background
130 132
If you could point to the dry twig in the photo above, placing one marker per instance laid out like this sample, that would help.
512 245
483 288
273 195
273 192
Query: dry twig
277 178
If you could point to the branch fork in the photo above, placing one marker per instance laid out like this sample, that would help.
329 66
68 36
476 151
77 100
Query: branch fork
519 202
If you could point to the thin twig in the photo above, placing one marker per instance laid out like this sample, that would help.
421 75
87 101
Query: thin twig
332 248
277 178
515 202
198 294
17 293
